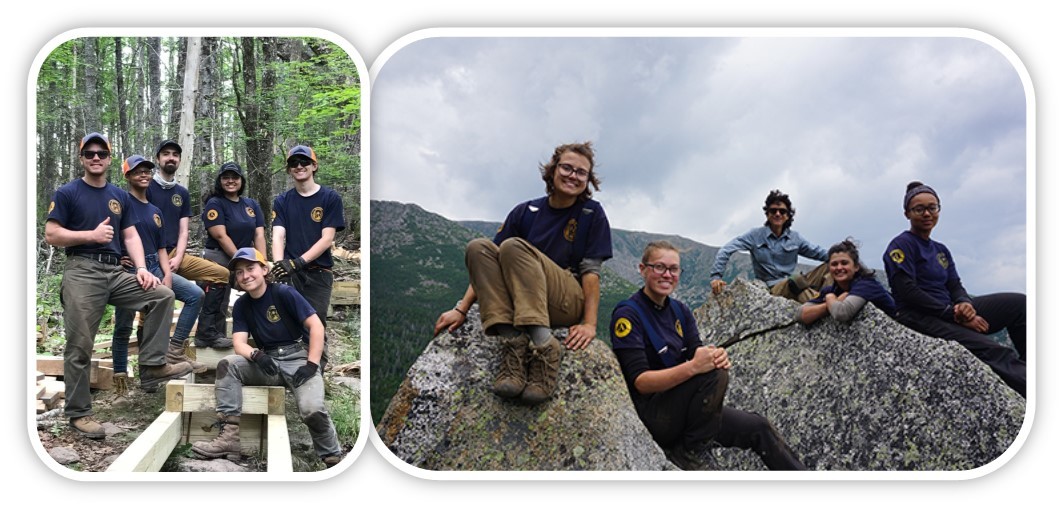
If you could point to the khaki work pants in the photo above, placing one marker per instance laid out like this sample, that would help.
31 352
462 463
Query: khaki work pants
196 268
516 284
808 284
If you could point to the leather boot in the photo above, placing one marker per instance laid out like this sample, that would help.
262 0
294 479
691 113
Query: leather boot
88 427
121 388
151 376
226 444
215 301
543 365
176 354
512 375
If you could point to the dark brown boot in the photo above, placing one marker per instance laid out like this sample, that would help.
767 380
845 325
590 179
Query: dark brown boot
176 354
543 366
151 376
88 427
226 444
512 376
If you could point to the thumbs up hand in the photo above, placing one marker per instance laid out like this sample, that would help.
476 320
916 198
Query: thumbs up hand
104 232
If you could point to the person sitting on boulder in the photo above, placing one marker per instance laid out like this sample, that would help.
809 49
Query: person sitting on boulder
677 384
853 286
932 300
291 342
773 249
540 271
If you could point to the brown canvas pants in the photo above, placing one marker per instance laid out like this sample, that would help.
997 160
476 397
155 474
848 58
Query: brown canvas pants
199 269
516 284
808 284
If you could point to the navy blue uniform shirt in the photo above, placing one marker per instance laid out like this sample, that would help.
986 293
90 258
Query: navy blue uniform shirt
175 204
303 218
240 219
553 231
78 206
275 319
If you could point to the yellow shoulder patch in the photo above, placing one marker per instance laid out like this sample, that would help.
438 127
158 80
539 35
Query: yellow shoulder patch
622 327
897 256
678 328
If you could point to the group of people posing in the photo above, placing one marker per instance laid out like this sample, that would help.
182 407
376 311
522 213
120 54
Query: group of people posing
542 271
146 266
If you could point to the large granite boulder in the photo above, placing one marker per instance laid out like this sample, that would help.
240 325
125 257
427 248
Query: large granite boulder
445 417
866 395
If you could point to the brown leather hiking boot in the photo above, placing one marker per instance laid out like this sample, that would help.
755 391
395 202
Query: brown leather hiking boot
176 354
226 444
151 376
543 365
512 375
121 388
331 460
88 427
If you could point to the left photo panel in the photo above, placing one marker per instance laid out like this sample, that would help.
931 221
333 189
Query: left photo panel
195 257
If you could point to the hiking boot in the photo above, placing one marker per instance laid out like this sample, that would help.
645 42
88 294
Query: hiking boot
331 460
797 284
512 375
151 376
121 388
543 365
687 461
226 444
176 354
88 427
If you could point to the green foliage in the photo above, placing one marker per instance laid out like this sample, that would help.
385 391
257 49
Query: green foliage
344 410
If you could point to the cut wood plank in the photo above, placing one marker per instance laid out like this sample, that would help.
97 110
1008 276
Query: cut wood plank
41 407
278 449
40 391
53 366
153 447
198 398
104 379
40 376
209 356
346 293
54 386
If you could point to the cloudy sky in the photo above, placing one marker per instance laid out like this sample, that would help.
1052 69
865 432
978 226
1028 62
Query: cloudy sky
691 134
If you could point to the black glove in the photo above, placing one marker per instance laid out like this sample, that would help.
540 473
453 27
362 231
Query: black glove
302 374
286 267
264 362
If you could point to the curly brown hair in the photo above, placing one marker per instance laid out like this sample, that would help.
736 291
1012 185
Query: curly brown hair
585 149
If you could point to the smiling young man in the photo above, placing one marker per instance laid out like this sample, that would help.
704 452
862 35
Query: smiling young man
306 219
676 383
773 248
290 339
82 217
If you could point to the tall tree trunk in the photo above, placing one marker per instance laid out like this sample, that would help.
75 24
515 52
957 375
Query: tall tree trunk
174 124
205 104
187 136
91 107
120 95
153 120
256 115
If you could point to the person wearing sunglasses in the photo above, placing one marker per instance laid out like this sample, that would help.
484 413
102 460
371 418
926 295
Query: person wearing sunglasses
83 217
773 249
932 300
540 271
306 219
232 222
678 384
852 286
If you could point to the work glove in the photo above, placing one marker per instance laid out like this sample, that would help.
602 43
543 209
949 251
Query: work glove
264 362
302 374
286 267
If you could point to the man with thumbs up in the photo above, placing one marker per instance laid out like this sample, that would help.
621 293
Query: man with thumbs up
84 217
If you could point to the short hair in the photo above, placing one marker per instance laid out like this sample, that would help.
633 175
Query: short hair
776 196
849 246
585 149
655 246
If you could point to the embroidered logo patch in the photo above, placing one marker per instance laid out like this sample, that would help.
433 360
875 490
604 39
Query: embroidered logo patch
115 207
51 207
176 200
316 214
943 260
212 214
622 327
897 256
250 211
273 215
158 221
570 230
272 315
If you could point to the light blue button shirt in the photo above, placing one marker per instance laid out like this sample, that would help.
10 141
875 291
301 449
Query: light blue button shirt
774 257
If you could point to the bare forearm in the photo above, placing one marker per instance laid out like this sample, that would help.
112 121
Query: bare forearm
591 298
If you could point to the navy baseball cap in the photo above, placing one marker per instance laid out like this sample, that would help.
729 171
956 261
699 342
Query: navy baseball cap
133 161
247 254
165 143
95 136
303 150
231 166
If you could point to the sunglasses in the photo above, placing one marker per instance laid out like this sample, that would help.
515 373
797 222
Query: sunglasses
778 211
90 154
294 163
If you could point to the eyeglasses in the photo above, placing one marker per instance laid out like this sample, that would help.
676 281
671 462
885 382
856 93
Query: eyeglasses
660 268
778 211
294 163
90 154
567 170
920 210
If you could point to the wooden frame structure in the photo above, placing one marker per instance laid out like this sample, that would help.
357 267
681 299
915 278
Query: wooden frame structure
189 406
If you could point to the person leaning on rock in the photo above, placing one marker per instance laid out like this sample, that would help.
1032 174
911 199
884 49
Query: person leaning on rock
290 340
773 249
932 300
677 384
541 271
853 285
83 217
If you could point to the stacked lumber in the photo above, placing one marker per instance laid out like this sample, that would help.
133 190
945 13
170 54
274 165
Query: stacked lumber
101 373
49 392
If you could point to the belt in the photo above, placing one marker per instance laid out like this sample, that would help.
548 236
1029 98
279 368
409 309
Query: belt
285 349
107 259
316 268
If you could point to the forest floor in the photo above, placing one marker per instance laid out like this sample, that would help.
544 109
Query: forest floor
124 421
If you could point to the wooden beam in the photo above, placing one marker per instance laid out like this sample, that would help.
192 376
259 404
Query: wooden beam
152 447
346 293
53 366
278 449
209 356
104 378
198 398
